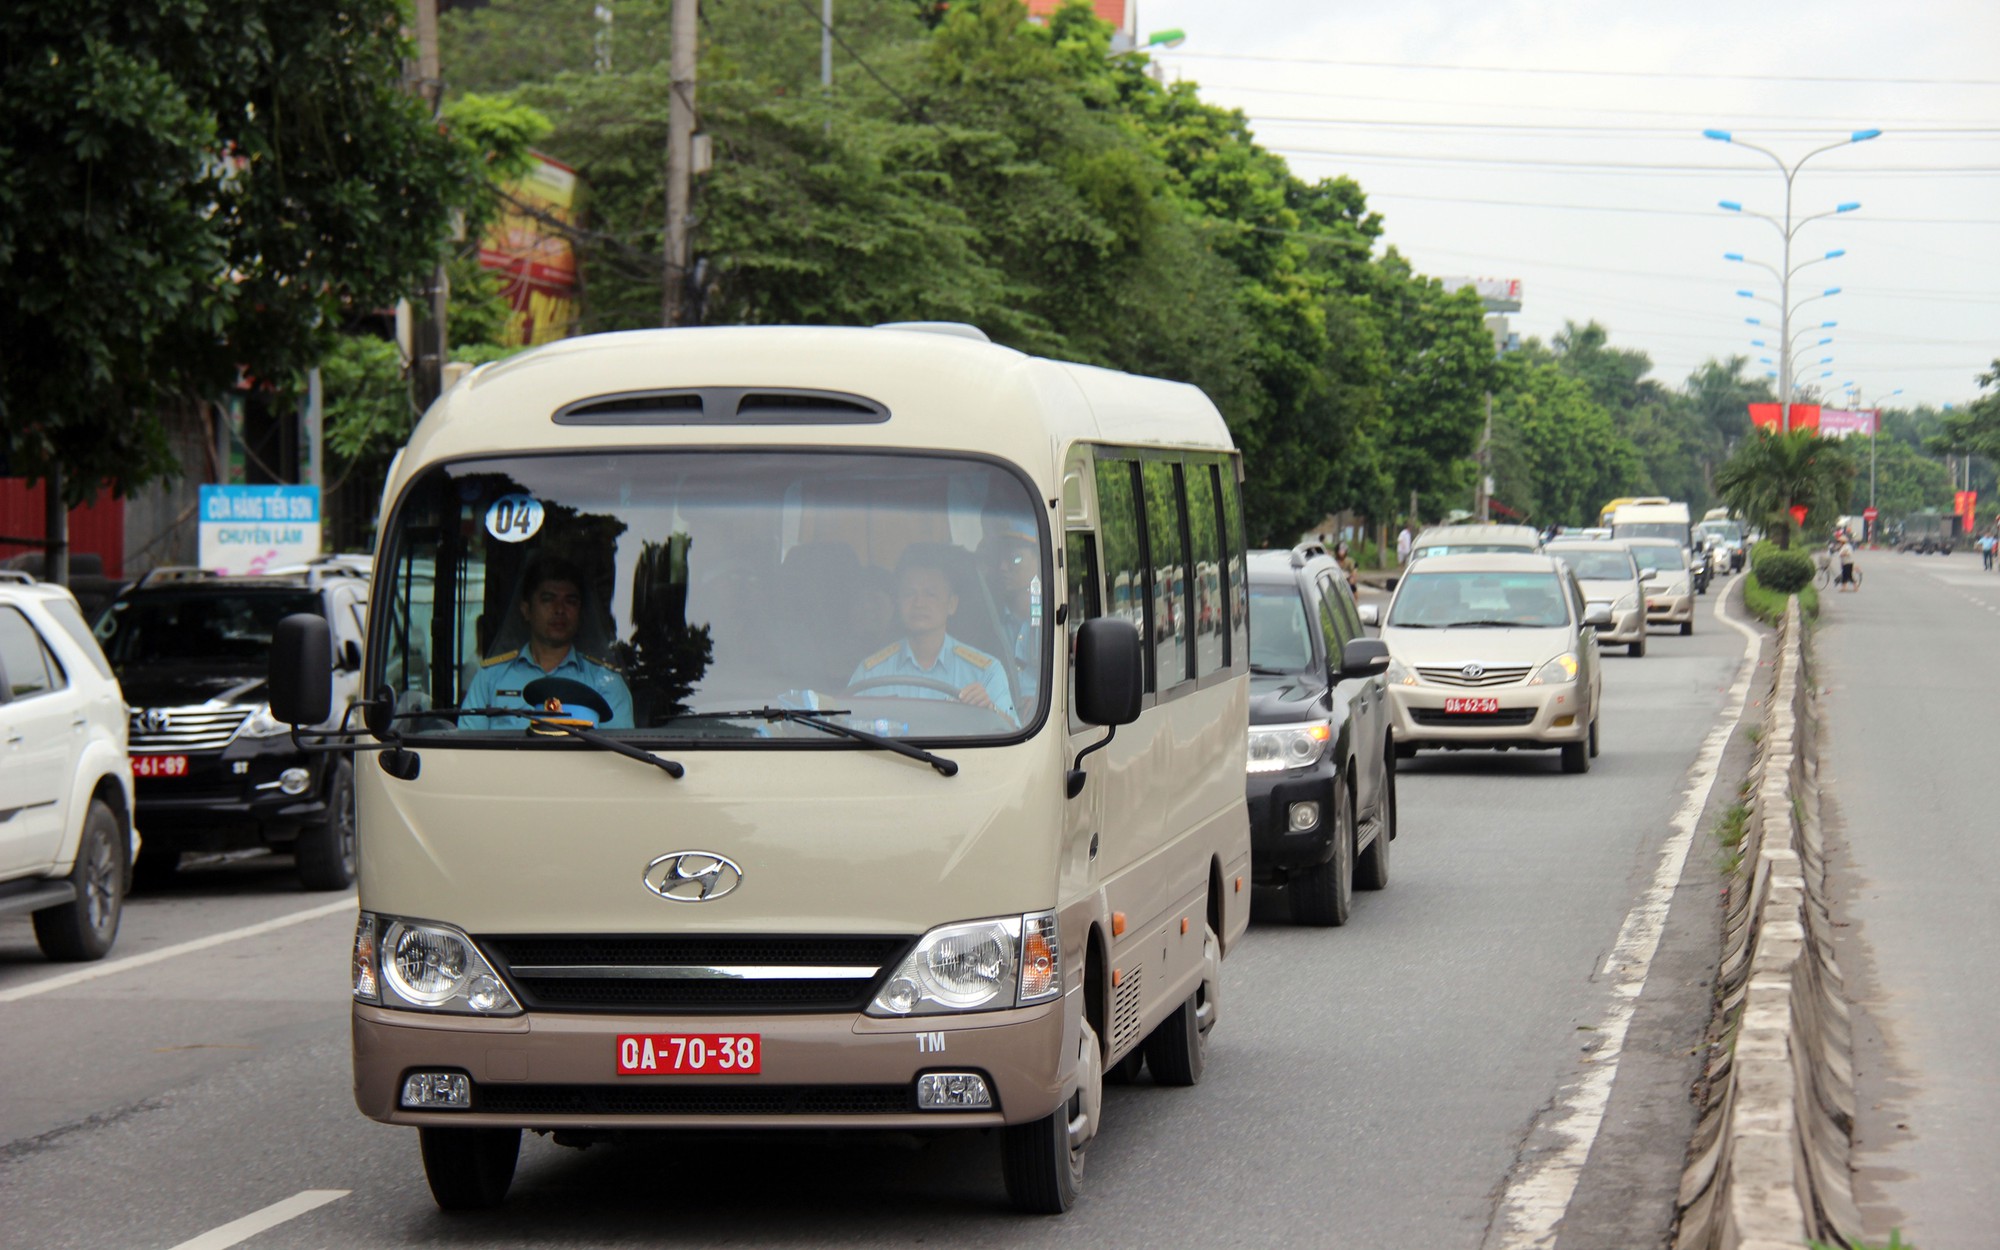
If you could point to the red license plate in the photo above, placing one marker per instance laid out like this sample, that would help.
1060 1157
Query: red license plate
159 765
1472 705
690 1054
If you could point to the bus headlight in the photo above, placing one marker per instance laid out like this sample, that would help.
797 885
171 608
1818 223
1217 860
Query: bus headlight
981 965
421 966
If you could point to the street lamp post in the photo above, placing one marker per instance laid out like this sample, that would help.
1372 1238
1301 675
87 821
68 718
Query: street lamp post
1786 231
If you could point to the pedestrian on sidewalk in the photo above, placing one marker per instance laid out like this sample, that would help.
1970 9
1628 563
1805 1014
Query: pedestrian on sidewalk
1986 543
1404 539
1845 552
1345 560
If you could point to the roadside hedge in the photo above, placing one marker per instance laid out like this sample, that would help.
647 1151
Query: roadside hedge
1785 572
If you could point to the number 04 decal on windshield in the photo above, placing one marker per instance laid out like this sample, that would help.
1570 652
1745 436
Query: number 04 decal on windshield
690 1054
514 518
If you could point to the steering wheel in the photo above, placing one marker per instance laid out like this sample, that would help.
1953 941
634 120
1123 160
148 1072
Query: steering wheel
569 692
926 683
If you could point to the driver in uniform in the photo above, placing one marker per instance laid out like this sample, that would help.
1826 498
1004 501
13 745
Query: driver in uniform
925 603
552 605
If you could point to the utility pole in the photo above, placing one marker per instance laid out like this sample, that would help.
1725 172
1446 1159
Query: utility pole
427 321
680 160
1482 496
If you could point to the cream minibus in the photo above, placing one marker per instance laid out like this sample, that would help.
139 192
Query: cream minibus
793 728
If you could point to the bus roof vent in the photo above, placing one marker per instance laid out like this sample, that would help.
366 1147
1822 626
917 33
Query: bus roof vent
724 405
957 329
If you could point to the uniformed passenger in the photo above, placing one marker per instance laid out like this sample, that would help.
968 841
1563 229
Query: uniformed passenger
552 606
925 602
1016 553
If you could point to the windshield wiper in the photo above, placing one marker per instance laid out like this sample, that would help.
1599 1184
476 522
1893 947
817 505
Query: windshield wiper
816 720
1265 670
671 768
1494 625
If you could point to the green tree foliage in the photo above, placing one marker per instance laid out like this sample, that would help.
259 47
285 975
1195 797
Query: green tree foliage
967 165
1557 454
193 190
1771 473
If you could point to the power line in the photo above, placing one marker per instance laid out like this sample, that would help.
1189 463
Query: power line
1665 212
1580 73
1896 125
1683 132
1396 158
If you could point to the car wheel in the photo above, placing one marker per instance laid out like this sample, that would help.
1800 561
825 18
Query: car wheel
469 1169
1593 737
326 851
1576 757
1371 867
1043 1160
1178 1049
1127 1070
1405 751
1324 894
1687 627
85 928
1637 650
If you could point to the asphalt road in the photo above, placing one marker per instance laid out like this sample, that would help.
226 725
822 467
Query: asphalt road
1416 1079
1908 665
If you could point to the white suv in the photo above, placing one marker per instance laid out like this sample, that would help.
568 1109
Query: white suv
66 835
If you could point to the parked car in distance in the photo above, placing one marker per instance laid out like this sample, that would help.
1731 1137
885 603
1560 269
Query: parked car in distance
1322 784
1609 576
1493 652
67 839
214 770
1663 567
1469 539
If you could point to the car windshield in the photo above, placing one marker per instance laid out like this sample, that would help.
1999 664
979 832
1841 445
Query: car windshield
1598 566
1280 633
206 626
1442 600
645 592
1651 557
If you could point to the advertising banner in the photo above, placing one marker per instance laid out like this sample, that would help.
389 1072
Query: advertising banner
1966 507
1840 423
527 247
248 529
1768 416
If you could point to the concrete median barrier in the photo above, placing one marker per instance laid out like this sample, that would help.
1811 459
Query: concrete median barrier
1769 1165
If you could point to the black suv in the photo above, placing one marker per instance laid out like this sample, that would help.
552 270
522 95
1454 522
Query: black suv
1322 784
213 770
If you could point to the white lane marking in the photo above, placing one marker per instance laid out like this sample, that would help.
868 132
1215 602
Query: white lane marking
236 1232
113 967
1538 1197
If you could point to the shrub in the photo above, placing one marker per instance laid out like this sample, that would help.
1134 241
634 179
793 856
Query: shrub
1785 572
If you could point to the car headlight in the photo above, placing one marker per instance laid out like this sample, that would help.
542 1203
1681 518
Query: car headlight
425 967
1678 587
980 965
1274 748
1556 672
261 724
1626 604
1399 673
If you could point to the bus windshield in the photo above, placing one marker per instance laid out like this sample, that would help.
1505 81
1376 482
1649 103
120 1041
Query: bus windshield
646 592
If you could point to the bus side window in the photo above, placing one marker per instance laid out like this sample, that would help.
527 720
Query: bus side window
1166 543
1205 529
1125 578
1238 589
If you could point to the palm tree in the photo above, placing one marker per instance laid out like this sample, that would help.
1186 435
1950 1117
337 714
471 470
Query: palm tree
1772 473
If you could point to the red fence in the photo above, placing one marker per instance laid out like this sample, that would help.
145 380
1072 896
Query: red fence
98 526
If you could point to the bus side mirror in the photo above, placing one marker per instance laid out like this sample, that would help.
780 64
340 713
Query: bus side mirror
1110 672
301 665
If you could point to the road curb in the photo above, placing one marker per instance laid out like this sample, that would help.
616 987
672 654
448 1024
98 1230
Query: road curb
1769 1165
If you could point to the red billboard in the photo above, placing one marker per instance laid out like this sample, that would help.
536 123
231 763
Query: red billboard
1767 416
1965 505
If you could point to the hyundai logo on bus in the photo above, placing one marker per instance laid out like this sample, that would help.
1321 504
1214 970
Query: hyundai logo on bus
692 876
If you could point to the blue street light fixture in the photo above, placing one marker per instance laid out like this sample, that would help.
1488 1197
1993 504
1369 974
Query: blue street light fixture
1786 230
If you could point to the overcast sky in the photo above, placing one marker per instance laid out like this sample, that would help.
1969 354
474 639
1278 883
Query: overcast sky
1512 138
